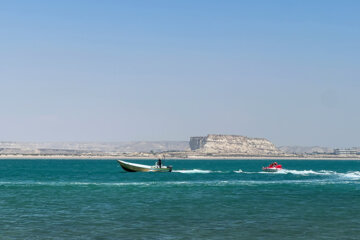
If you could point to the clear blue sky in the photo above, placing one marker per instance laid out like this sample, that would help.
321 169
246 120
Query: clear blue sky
89 70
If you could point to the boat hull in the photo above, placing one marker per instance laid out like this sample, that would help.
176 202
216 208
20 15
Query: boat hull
267 169
133 167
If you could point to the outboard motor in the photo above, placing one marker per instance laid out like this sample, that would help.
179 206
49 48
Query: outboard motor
170 168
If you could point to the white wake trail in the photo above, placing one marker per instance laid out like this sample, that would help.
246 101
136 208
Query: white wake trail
193 171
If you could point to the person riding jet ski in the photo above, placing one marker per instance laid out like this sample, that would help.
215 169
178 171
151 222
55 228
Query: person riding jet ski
274 164
274 167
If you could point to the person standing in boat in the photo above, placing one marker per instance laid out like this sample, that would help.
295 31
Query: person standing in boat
159 163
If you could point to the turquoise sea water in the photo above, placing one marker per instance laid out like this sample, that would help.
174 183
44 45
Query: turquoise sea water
203 199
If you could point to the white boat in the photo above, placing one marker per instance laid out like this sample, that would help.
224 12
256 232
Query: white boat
135 167
270 169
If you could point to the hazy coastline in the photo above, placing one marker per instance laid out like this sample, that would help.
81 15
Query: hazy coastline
76 157
212 146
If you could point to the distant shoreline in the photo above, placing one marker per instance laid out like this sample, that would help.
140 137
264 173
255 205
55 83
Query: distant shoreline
75 157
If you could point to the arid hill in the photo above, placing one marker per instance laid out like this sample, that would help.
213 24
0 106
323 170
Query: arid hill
233 144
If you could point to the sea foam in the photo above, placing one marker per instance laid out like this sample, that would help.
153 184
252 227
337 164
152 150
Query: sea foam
194 171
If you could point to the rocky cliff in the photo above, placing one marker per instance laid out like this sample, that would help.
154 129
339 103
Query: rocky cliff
233 144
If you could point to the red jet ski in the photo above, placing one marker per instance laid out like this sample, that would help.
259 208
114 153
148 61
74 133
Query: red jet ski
274 167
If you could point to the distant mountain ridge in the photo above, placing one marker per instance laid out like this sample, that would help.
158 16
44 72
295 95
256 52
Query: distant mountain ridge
306 149
91 147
